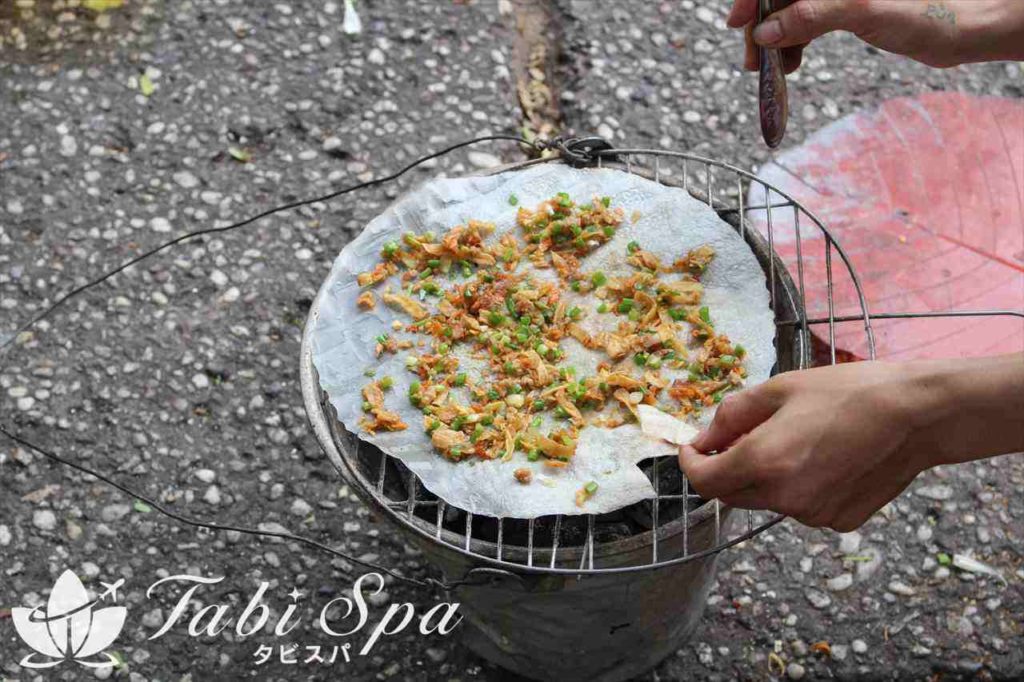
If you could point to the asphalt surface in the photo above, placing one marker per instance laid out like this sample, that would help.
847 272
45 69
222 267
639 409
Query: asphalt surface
180 375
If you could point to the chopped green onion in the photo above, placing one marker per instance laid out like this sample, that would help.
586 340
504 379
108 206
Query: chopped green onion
608 230
539 405
739 350
705 314
633 247
607 201
598 279
390 249
591 487
460 379
443 348
625 305
369 372
477 432
603 308
382 339
560 412
513 200
458 422
434 263
575 312
367 406
640 359
634 315
386 383
434 425
727 360
533 455
493 395
677 314
575 285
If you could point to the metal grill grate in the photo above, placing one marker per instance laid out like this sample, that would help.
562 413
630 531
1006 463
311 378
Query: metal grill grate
634 538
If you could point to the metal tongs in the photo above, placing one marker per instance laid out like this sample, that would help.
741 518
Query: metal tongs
773 99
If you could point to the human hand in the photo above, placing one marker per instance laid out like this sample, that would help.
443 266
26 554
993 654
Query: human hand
936 32
830 446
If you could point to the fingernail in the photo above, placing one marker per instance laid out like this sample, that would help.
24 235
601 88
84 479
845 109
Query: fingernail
768 32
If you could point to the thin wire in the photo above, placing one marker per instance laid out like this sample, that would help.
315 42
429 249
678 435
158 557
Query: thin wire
247 221
429 582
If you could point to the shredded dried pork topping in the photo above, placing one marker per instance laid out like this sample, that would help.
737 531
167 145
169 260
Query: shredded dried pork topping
493 301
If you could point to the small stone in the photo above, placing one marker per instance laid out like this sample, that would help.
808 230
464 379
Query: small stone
153 619
332 144
26 403
114 512
840 651
73 530
212 495
849 543
867 569
436 655
210 198
704 654
103 673
276 491
44 519
859 646
840 582
300 507
376 56
795 671
818 599
483 159
705 15
924 532
935 492
201 381
691 117
218 278
206 475
5 536
230 296
68 146
185 179
159 224
90 569
604 130
902 589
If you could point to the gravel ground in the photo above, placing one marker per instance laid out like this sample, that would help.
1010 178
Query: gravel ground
180 375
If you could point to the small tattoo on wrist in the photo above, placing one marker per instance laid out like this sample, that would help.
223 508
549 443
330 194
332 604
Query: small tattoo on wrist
939 10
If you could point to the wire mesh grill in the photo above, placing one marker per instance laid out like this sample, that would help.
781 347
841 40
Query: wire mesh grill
661 531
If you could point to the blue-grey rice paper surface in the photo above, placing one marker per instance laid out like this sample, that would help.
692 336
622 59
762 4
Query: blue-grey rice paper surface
670 223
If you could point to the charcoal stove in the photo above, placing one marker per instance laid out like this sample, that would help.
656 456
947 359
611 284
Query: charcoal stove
595 597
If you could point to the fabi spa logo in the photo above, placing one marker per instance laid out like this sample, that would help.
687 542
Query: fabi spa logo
71 627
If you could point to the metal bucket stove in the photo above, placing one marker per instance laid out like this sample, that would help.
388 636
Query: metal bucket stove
595 597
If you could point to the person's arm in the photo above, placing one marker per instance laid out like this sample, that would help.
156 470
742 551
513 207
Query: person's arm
831 446
939 33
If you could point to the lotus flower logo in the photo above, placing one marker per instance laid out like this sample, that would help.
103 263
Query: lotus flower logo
70 628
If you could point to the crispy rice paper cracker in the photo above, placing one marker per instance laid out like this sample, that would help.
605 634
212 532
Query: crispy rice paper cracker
667 221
